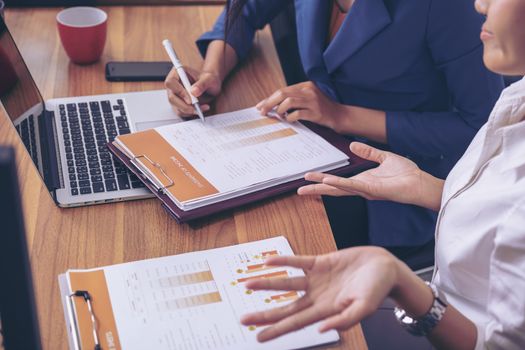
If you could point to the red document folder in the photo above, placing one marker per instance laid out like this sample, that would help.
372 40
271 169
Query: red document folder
355 166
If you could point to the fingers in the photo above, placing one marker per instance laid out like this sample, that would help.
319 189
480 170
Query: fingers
321 190
295 283
351 186
316 176
271 102
179 97
348 318
184 109
174 85
367 152
300 114
277 314
300 262
290 104
277 98
205 83
291 323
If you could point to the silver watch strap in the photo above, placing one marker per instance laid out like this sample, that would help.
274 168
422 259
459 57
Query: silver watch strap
426 323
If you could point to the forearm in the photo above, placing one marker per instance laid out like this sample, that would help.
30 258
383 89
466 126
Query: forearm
454 331
431 191
363 122
220 59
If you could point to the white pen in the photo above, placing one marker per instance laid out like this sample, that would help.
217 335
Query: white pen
183 77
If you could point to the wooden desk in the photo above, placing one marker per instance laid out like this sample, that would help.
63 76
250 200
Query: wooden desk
114 233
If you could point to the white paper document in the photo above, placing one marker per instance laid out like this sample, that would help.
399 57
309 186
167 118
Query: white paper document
195 300
233 154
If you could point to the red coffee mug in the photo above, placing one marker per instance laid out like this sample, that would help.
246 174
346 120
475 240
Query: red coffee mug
83 33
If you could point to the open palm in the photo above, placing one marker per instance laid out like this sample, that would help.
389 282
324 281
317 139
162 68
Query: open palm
341 288
396 178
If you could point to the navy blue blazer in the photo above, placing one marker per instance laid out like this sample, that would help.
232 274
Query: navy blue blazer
420 61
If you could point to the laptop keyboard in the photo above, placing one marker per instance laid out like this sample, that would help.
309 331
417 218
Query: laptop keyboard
26 130
87 128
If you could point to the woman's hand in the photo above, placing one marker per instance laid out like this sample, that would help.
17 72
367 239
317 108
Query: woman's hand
341 288
206 86
396 179
303 101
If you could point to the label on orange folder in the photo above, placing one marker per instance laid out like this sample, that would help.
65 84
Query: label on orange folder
188 183
95 283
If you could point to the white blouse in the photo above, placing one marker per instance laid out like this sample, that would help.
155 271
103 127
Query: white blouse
480 233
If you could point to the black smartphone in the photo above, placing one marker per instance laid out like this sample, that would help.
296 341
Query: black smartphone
137 71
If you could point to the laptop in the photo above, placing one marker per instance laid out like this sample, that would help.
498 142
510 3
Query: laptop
18 317
66 137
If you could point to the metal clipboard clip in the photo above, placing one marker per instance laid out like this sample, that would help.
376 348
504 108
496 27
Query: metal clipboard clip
73 317
160 187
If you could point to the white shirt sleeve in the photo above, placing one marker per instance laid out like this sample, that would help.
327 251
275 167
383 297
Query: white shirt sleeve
506 299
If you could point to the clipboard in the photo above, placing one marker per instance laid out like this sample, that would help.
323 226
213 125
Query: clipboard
88 310
356 165
186 300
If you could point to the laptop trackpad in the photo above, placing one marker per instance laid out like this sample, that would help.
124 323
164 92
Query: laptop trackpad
141 126
150 109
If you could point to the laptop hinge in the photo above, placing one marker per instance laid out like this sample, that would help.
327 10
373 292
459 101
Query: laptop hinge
48 145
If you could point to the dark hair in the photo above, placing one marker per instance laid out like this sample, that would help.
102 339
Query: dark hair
233 10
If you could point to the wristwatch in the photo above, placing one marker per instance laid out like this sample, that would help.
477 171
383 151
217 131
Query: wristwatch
426 323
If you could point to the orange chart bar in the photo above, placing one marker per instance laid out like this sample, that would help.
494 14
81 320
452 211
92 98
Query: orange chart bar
183 280
195 300
258 267
268 275
285 297
252 124
270 253
264 138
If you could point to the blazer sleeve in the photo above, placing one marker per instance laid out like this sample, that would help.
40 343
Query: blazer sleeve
255 15
452 37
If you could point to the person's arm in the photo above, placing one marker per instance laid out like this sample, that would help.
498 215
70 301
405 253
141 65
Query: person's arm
454 331
363 122
396 179
220 59
452 37
344 287
255 15
221 54
505 304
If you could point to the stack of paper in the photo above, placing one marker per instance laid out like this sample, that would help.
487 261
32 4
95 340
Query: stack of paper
230 155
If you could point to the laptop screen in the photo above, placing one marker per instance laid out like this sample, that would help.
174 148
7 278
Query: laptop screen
19 95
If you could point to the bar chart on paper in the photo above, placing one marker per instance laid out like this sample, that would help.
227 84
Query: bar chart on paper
196 300
242 147
171 292
250 265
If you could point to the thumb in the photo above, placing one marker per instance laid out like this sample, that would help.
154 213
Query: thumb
368 152
201 85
